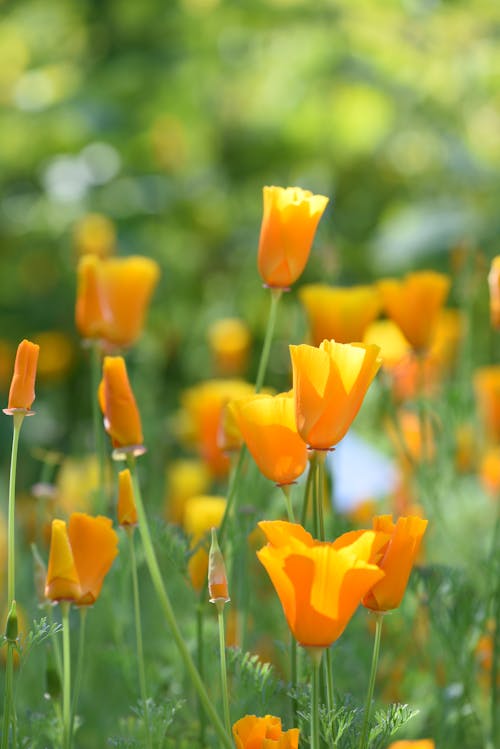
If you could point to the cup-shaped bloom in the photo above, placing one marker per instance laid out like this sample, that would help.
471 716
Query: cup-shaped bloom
290 219
340 313
121 416
126 510
414 303
267 425
113 296
487 391
22 387
200 515
229 341
330 383
397 560
320 584
494 286
80 558
252 732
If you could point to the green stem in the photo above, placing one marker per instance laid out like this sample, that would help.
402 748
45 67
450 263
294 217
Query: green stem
56 646
320 490
11 561
8 698
316 654
307 494
200 662
223 669
79 665
330 697
166 606
65 607
99 445
138 638
379 617
289 507
231 494
266 348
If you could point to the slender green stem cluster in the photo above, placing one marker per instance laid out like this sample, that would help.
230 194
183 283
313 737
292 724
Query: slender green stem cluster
371 684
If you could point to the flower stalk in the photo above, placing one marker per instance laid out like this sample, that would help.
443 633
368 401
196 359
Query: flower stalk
379 617
266 348
66 712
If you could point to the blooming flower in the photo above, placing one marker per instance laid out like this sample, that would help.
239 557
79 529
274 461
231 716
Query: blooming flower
397 559
267 425
126 510
319 584
251 732
80 558
22 386
330 383
414 303
121 416
291 216
339 313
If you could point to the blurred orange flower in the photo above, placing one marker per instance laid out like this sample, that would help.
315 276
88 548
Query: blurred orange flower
126 510
22 386
414 304
494 285
229 341
489 470
397 559
200 515
56 354
337 312
113 296
251 732
291 216
415 744
330 383
121 416
267 424
80 558
487 391
185 478
319 584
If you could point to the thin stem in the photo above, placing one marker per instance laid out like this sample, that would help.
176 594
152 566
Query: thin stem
79 665
200 641
11 560
232 492
289 507
307 494
266 348
166 606
379 617
99 445
138 637
320 490
8 699
315 735
223 669
65 607
330 697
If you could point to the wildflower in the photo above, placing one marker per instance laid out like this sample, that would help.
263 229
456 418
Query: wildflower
319 584
291 216
22 386
414 304
121 416
330 383
267 424
397 559
339 313
494 285
251 732
200 515
229 341
89 308
487 390
489 470
126 510
80 558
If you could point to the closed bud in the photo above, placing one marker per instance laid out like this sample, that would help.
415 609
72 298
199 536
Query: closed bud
217 578
12 629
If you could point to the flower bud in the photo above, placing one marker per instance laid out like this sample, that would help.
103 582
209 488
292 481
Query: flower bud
217 578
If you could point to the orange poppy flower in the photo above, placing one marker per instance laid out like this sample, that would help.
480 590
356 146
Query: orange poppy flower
487 390
126 510
121 416
339 313
267 425
22 387
252 732
291 216
320 584
494 285
113 295
415 744
80 558
414 303
330 383
396 561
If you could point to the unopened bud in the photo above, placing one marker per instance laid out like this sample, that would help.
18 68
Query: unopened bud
11 629
217 578
52 682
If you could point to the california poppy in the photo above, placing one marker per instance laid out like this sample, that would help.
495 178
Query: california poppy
22 387
341 313
291 216
80 558
330 383
121 416
397 559
319 584
252 732
267 425
126 510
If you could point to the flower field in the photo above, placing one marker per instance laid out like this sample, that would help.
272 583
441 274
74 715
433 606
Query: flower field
250 371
